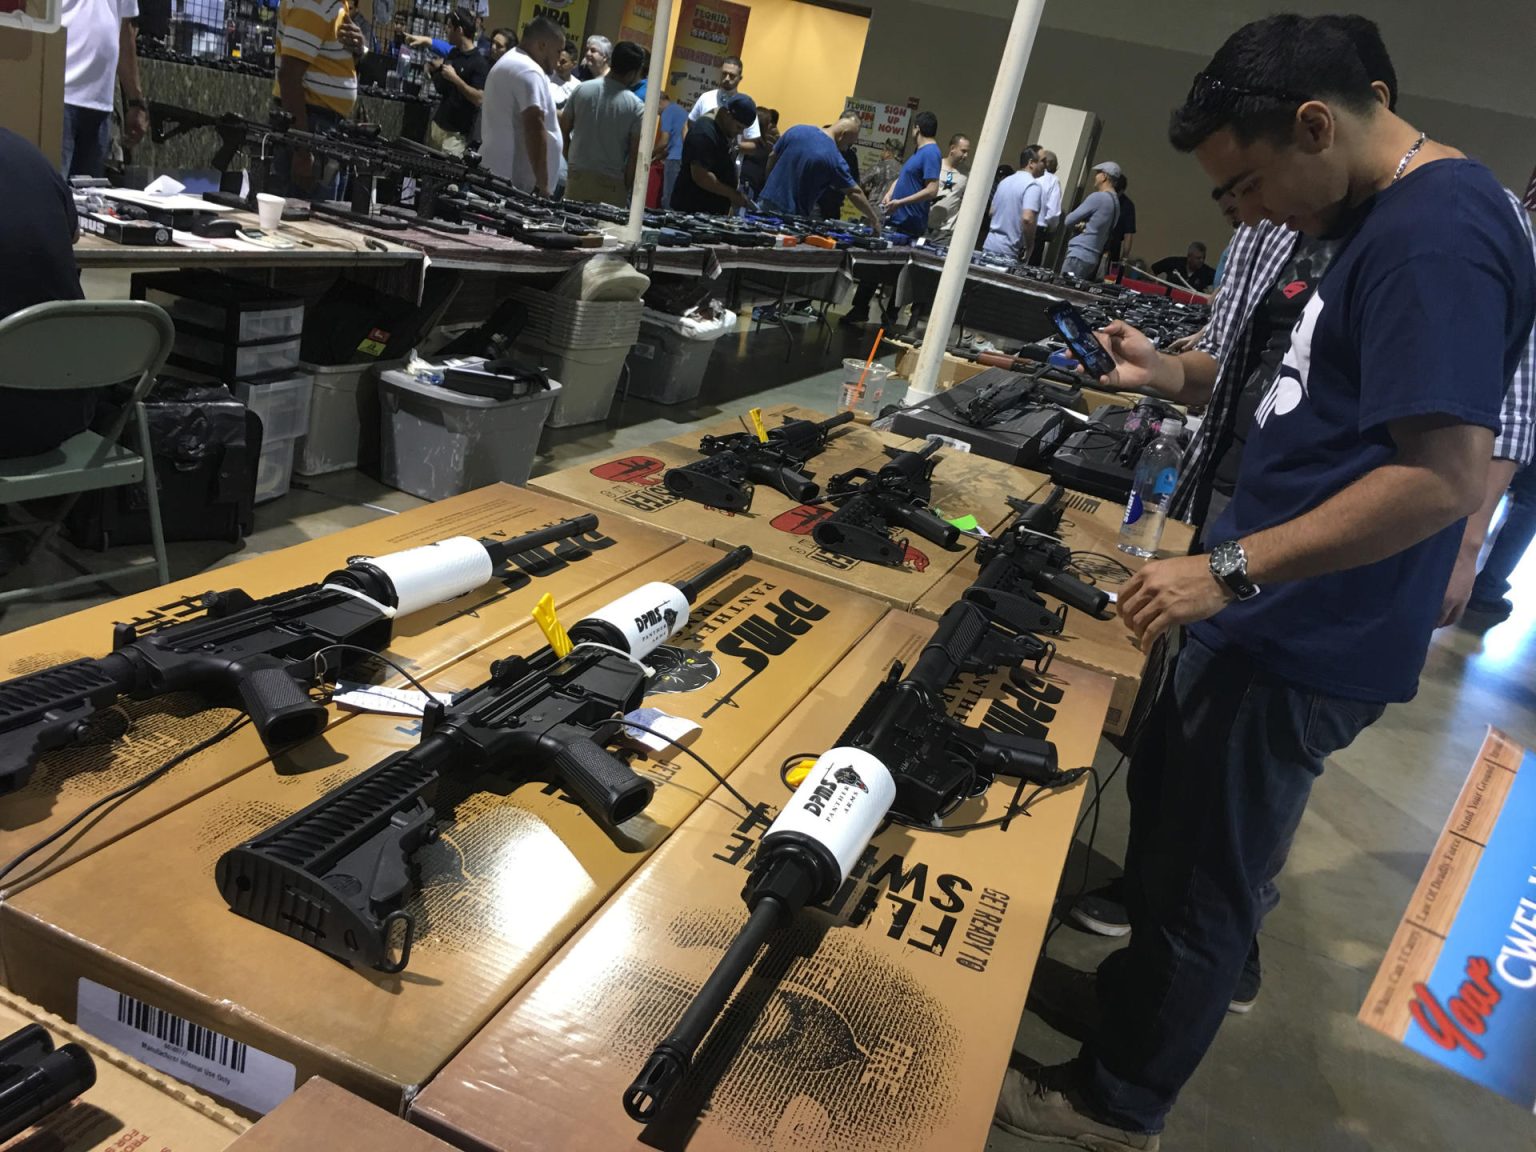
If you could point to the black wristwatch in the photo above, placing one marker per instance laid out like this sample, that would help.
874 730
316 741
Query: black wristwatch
1229 564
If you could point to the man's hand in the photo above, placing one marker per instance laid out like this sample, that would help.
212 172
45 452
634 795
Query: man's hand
1459 591
450 73
1168 593
349 35
135 125
1138 364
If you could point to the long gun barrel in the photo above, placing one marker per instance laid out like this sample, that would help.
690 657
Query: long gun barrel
902 756
871 504
734 463
258 655
37 1079
337 874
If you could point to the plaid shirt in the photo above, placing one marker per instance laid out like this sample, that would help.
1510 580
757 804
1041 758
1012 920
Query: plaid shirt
1254 261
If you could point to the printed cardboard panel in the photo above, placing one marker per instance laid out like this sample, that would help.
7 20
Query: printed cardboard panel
130 1106
516 868
1091 526
1458 984
881 1021
134 736
322 1116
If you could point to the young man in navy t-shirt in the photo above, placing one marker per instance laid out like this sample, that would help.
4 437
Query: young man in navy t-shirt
906 203
1325 580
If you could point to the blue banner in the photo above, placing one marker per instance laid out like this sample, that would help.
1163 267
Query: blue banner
1476 1014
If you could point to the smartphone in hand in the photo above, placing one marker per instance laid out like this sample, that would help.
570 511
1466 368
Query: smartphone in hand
1075 330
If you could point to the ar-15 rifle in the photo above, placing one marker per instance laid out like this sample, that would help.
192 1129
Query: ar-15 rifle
1026 389
37 1079
734 462
236 135
870 504
903 757
1025 560
256 654
336 875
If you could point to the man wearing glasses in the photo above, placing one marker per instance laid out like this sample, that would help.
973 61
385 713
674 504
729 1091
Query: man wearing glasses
1370 447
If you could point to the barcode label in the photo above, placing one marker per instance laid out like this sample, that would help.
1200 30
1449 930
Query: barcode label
207 1060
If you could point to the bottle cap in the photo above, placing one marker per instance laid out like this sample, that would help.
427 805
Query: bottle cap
1170 426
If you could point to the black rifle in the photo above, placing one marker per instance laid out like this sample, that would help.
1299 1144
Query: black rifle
903 757
1026 559
870 504
37 1079
1013 393
735 462
258 655
337 874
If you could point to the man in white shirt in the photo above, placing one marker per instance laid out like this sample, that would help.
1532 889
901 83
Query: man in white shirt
519 126
101 45
1050 206
730 79
563 80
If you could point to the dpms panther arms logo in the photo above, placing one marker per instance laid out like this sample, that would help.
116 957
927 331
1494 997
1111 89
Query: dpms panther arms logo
849 776
642 470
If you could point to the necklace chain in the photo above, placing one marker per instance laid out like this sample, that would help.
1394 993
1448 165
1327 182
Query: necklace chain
1402 165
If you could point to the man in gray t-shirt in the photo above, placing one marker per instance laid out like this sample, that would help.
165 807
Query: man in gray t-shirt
601 121
1096 216
1016 208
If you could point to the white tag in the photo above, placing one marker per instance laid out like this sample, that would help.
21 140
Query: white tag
377 698
207 1060
1080 417
1114 597
950 442
676 728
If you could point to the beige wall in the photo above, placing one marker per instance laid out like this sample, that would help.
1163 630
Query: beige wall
947 57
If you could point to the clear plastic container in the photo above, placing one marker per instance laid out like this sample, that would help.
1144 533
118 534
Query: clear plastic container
282 402
274 469
862 392
250 325
1157 475
235 362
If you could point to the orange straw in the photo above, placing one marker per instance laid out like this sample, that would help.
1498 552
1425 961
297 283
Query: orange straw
879 336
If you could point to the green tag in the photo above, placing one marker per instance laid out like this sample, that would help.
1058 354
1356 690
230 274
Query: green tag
967 524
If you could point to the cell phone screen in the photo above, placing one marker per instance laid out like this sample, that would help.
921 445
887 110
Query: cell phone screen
1079 336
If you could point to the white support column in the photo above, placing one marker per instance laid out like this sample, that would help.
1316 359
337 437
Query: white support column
989 150
655 81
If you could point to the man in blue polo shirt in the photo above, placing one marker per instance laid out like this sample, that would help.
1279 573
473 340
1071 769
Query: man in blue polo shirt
906 203
807 163
1314 608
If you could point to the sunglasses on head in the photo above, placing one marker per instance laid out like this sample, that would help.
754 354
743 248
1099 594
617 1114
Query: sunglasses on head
1215 92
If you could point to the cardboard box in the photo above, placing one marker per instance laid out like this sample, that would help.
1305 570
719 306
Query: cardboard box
64 783
1089 525
516 870
131 1106
883 1023
32 87
321 1116
952 370
849 446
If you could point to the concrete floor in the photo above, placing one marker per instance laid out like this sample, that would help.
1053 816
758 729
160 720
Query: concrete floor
1296 1073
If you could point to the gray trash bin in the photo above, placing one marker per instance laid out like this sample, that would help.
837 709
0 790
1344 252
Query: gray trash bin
437 442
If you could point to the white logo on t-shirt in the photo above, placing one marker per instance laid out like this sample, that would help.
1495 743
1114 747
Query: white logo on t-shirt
1290 383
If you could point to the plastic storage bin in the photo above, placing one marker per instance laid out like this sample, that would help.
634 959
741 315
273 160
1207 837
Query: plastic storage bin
668 366
231 310
588 379
274 469
566 323
436 442
343 418
282 402
215 357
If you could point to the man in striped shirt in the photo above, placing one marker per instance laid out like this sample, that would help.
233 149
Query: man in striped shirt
318 46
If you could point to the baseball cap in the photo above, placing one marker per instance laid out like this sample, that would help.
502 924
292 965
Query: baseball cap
1110 169
740 108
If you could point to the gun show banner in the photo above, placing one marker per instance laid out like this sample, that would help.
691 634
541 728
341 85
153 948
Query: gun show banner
707 32
569 14
878 123
1458 984
638 23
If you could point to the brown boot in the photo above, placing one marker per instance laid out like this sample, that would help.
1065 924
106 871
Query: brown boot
1036 1108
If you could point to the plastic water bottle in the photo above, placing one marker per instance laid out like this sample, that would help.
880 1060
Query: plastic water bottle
1157 474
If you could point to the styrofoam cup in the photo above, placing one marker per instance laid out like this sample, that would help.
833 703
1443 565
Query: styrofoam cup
269 209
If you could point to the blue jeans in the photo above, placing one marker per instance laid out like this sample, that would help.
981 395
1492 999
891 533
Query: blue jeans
87 136
1217 786
321 120
1509 545
669 171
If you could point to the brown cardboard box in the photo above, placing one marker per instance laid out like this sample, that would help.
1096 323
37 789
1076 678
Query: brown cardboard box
32 87
954 369
131 1106
321 1117
66 782
886 1024
515 872
1090 525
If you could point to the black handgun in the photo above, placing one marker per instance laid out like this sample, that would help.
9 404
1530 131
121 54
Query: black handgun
337 874
870 504
733 463
258 655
